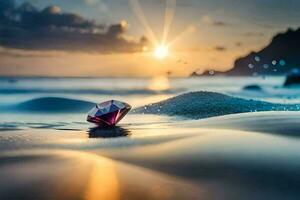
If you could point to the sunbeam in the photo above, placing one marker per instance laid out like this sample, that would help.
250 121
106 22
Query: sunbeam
188 30
137 9
161 47
169 16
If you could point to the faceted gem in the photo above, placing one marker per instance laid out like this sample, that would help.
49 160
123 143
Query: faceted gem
108 113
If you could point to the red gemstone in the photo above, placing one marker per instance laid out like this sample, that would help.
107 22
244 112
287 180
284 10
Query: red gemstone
108 113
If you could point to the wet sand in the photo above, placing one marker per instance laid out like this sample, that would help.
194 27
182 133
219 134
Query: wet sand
77 175
243 156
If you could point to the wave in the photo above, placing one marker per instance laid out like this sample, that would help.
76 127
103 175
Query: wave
52 104
87 91
198 105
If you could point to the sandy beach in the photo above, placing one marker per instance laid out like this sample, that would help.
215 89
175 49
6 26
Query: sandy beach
228 157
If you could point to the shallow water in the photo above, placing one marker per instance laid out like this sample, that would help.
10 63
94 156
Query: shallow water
65 101
15 90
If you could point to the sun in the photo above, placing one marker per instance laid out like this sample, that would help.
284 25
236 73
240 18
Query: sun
161 52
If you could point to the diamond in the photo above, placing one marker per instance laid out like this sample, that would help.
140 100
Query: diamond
108 113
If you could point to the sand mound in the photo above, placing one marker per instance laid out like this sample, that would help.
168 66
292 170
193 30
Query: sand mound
198 105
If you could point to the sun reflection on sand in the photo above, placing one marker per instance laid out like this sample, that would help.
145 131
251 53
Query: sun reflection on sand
74 175
103 182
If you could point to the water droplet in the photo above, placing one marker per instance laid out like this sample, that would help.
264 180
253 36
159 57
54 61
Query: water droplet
251 66
266 66
274 62
257 59
282 62
211 72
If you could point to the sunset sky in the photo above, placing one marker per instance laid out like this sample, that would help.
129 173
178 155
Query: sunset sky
113 37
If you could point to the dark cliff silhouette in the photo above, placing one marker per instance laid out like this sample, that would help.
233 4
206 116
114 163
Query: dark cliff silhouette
278 58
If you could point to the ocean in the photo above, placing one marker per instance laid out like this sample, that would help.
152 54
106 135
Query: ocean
19 105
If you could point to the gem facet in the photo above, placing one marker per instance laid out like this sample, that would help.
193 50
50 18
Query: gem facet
108 113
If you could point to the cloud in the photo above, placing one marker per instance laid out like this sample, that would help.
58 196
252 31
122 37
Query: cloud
19 53
208 20
219 23
220 48
26 27
238 44
254 34
99 4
